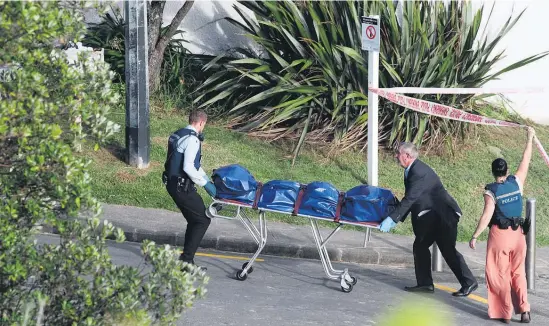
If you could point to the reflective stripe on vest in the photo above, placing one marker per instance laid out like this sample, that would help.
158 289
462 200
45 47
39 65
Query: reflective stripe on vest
508 199
507 195
174 160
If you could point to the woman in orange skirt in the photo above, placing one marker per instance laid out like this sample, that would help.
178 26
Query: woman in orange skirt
506 247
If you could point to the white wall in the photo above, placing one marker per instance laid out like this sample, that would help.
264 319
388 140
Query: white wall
205 28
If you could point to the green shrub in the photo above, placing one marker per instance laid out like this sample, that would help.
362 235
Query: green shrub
311 76
43 182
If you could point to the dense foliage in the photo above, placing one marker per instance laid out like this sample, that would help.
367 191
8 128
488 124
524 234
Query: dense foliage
309 74
49 105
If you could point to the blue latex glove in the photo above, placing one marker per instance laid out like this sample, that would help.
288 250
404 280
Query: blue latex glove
387 225
210 189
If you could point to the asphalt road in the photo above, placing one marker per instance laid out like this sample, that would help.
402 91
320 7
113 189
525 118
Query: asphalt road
283 291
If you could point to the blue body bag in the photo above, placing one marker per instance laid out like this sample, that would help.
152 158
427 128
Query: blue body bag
319 200
234 182
367 204
279 195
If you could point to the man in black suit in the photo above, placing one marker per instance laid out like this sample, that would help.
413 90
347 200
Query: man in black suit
435 217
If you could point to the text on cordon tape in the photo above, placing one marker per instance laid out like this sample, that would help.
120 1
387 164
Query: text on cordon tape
448 112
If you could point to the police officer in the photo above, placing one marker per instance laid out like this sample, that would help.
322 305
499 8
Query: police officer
182 171
506 248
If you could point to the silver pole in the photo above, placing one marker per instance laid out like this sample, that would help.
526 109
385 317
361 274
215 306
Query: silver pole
436 262
531 245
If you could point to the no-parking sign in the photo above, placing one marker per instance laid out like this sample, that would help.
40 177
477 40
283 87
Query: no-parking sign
370 33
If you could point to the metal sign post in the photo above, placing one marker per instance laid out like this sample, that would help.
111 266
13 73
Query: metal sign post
137 84
531 246
371 43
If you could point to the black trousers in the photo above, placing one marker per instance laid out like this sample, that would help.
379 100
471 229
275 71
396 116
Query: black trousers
430 228
192 207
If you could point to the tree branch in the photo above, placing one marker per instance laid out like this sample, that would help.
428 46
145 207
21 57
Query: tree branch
183 11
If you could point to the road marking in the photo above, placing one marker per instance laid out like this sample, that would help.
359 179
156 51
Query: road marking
471 296
227 257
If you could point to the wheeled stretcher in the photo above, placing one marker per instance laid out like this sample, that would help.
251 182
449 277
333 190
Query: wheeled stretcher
238 194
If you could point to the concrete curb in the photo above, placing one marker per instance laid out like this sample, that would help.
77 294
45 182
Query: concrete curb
283 239
365 255
288 240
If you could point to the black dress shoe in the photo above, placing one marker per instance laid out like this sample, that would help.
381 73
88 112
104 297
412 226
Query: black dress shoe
420 288
465 291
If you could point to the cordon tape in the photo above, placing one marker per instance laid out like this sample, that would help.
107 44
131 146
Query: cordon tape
443 111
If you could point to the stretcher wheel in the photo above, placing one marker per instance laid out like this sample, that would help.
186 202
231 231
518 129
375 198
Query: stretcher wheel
249 270
241 277
353 280
212 211
347 289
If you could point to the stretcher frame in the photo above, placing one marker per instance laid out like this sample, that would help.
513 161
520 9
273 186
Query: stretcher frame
260 236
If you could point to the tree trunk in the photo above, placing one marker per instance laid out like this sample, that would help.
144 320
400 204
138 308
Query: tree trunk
157 42
155 11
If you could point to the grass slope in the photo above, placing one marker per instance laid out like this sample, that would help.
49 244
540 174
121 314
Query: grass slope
463 174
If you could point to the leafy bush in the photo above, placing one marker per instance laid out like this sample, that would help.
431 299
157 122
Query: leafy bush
311 76
43 182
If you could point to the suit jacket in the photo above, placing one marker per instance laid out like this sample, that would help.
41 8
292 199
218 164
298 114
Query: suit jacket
424 191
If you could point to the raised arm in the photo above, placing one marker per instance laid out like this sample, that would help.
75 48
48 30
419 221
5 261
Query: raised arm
522 171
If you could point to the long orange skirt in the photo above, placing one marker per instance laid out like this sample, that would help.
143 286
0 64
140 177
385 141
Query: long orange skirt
506 273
